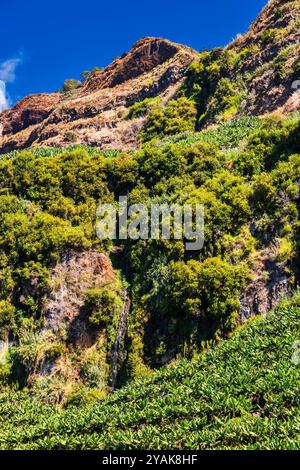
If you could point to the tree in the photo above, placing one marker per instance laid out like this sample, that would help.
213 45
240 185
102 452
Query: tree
178 116
86 74
101 305
71 84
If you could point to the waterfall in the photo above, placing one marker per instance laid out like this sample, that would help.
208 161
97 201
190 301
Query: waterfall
4 347
117 356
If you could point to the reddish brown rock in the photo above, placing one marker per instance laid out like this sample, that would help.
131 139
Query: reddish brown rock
275 35
92 114
29 111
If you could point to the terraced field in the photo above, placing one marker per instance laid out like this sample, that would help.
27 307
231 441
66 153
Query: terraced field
243 394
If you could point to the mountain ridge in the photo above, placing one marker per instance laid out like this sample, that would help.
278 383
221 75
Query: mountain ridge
162 65
260 67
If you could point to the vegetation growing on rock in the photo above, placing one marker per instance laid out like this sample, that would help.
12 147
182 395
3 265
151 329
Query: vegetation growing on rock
181 300
243 394
194 135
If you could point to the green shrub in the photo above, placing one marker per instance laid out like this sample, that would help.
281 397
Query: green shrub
122 173
272 36
210 288
176 116
155 164
142 108
101 304
71 84
7 311
86 74
227 99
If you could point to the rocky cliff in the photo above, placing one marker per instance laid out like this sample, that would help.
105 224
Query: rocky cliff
92 114
271 52
262 66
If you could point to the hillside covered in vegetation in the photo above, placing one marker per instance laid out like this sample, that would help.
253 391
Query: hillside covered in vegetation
251 76
61 290
244 394
81 317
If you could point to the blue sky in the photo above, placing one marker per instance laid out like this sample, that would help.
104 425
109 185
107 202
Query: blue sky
54 40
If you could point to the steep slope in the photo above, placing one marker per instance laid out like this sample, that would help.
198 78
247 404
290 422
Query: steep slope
66 329
92 114
241 395
254 75
61 313
271 52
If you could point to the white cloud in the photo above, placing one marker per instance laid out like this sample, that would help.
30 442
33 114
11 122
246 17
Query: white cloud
7 70
7 75
3 99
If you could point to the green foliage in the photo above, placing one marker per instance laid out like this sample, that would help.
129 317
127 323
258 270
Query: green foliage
276 140
246 174
282 67
222 81
122 173
272 36
203 161
73 174
142 108
243 394
177 116
6 316
101 305
70 84
39 237
226 100
86 74
209 85
210 288
54 151
225 136
155 164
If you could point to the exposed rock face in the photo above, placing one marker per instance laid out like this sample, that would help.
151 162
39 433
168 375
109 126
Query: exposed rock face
276 35
270 283
92 113
145 55
70 279
64 320
29 111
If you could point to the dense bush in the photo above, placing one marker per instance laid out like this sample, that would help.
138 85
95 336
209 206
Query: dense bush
70 84
142 108
246 174
101 304
210 288
176 116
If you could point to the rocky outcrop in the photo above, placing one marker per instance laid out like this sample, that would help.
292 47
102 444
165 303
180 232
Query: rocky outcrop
93 113
270 68
70 279
265 63
66 339
29 111
118 352
145 55
270 283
